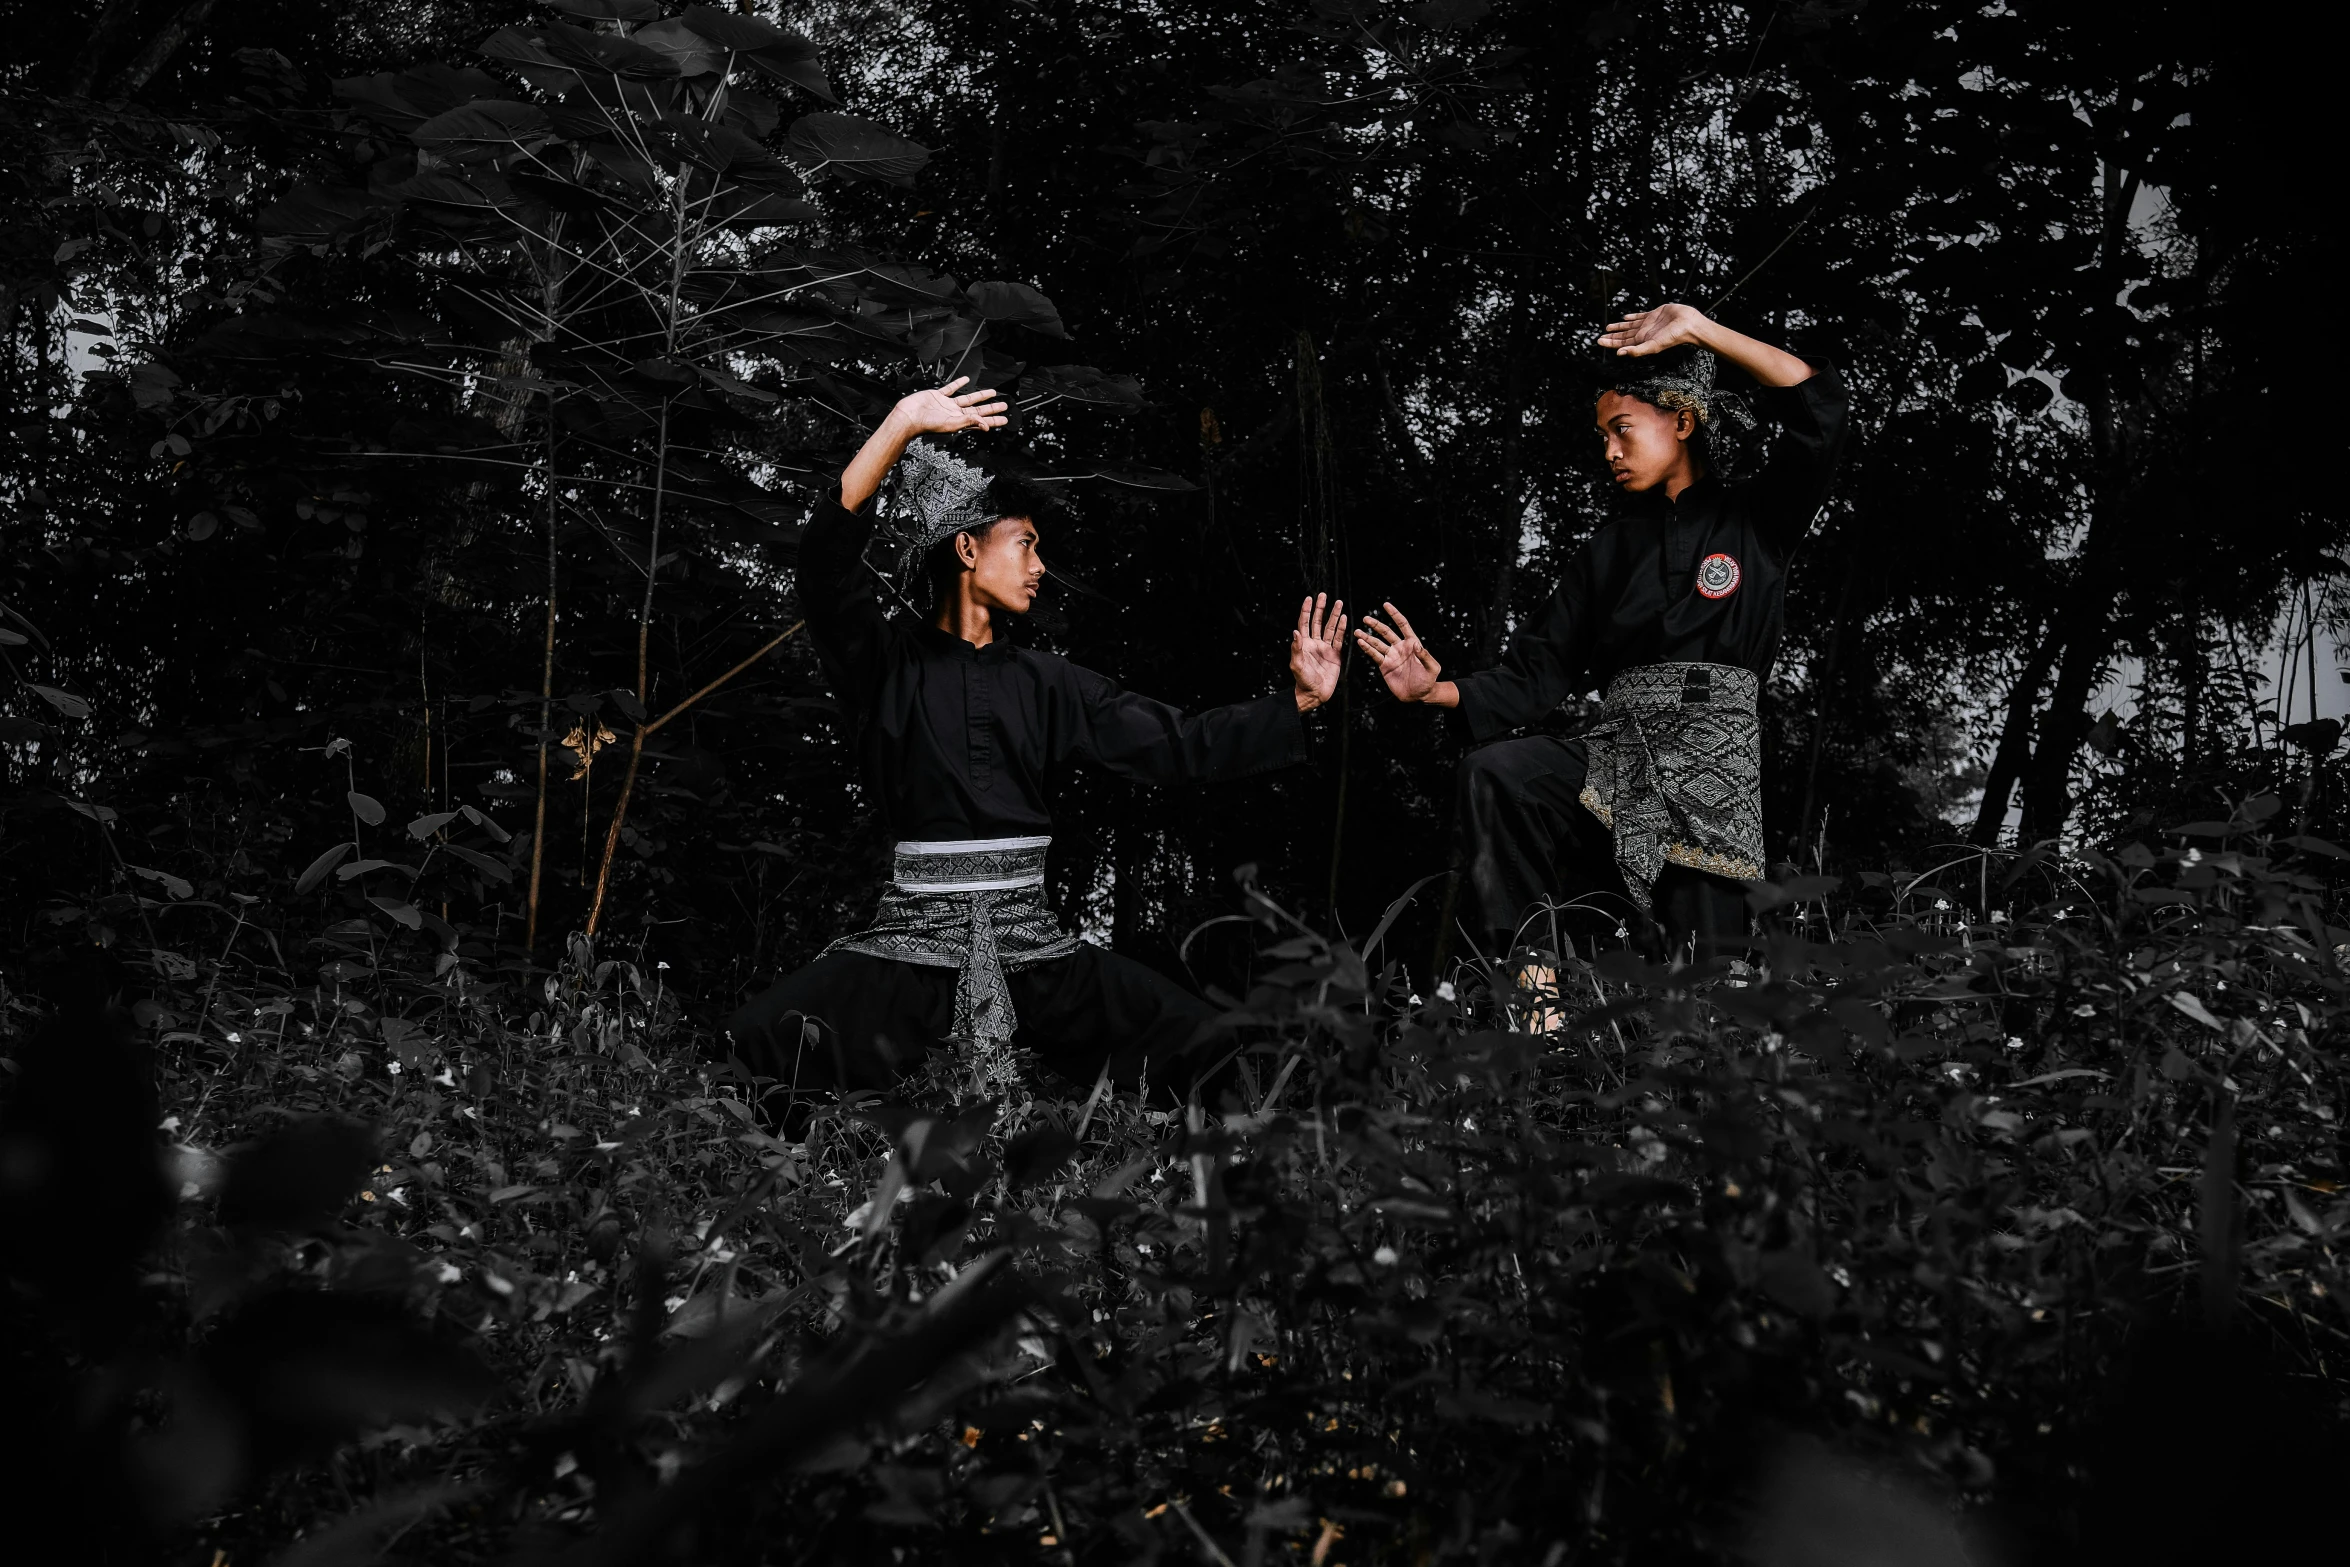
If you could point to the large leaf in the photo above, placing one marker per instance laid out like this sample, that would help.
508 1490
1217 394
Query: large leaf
608 10
947 337
526 50
722 150
318 868
855 147
1081 384
589 52
785 56
687 50
64 701
495 124
1019 305
404 100
479 193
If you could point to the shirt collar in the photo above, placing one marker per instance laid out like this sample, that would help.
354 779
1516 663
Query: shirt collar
1654 503
948 643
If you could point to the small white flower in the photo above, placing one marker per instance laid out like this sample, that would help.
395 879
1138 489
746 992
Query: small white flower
392 1067
1445 992
170 1123
235 1038
450 1273
1384 1256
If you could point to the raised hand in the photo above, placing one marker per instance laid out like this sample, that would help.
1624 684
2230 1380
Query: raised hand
944 410
941 411
1409 669
1316 650
1654 331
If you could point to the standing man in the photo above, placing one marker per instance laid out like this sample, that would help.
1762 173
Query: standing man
1674 608
958 728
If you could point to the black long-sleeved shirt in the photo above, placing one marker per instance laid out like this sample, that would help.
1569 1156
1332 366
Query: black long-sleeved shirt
957 741
1698 579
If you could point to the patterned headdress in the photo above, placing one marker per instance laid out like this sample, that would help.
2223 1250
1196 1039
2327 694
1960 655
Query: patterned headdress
1686 381
946 496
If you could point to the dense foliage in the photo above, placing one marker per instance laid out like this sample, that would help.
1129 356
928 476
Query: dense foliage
1922 1183
411 413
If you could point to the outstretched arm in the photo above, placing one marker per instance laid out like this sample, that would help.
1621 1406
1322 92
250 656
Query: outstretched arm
941 411
1674 326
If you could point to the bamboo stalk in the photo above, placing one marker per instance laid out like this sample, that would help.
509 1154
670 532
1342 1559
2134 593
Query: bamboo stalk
636 751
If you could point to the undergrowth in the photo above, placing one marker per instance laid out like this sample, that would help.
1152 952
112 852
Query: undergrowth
429 1263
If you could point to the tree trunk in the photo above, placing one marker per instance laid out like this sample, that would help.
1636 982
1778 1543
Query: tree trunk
104 35
2015 741
2088 630
162 47
2087 640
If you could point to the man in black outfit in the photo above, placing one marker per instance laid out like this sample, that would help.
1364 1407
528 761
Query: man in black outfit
957 728
1675 609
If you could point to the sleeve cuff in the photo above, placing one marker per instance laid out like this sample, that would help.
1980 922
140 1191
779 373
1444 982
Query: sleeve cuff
1468 718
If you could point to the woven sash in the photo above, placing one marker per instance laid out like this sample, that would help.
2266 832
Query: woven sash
976 906
1676 773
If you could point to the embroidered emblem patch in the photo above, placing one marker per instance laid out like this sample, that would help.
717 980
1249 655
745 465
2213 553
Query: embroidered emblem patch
1717 576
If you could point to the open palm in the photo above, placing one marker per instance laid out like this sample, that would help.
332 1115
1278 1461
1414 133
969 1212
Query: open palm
1407 666
944 410
1317 649
1653 331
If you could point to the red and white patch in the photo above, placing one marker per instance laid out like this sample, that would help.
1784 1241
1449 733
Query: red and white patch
1717 576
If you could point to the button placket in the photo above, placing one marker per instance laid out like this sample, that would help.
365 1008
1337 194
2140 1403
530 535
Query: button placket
979 723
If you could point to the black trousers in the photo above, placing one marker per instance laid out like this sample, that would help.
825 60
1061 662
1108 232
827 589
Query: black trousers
849 1021
1526 837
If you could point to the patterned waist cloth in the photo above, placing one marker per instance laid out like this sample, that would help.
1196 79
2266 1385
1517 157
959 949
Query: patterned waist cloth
1676 773
976 906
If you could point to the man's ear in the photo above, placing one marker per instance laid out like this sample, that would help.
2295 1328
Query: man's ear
967 550
1684 424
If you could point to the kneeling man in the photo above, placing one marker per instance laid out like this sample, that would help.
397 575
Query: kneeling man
1674 609
958 729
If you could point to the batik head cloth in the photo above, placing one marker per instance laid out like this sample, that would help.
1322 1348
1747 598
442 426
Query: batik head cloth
1678 380
946 495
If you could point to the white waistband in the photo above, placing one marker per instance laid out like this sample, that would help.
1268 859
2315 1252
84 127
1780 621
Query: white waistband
1005 885
970 845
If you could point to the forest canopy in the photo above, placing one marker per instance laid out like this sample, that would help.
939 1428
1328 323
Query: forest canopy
369 385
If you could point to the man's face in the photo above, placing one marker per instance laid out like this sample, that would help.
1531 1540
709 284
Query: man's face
1005 566
1645 444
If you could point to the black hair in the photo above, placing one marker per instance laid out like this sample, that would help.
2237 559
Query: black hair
1008 496
1637 379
